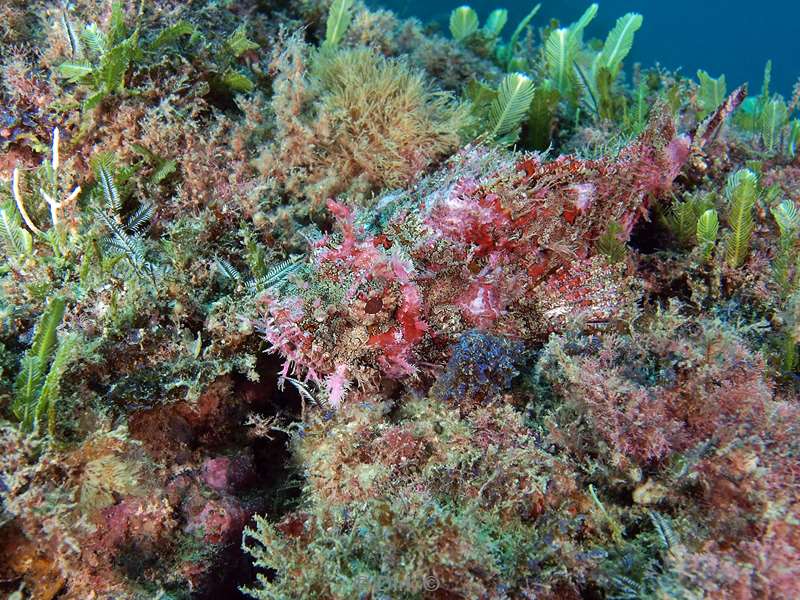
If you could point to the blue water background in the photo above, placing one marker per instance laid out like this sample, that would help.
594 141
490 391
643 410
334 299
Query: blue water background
733 37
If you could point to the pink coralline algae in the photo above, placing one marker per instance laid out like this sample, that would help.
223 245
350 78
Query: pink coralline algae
489 236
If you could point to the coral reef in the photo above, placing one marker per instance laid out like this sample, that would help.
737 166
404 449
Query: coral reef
304 299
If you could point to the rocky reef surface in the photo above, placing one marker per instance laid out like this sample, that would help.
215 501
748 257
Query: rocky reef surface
302 299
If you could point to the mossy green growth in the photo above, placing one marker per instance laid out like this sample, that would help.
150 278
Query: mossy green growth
229 76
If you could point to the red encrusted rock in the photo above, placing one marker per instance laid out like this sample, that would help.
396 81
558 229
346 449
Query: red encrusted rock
226 474
147 521
216 473
219 520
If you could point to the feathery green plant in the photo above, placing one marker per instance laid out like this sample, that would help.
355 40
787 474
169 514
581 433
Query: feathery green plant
747 117
741 193
788 220
36 386
774 117
619 43
768 118
682 220
577 28
125 235
261 275
48 396
608 64
786 274
464 22
610 245
275 277
465 25
510 108
666 535
634 119
495 23
706 232
339 17
766 83
749 114
227 270
580 72
15 239
683 215
560 50
109 54
793 139
789 356
542 116
506 54
162 167
711 93
230 77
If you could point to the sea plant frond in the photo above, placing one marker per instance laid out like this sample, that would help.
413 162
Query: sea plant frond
577 28
109 188
15 239
711 92
560 50
774 117
46 404
707 230
463 22
276 276
495 23
742 193
237 43
619 42
339 18
139 219
787 217
29 379
510 108
666 535
227 269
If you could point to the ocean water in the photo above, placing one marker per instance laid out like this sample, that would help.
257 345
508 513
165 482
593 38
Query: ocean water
733 37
